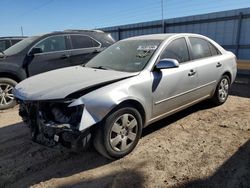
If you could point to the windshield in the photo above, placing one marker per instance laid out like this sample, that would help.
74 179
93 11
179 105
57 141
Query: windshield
126 56
18 47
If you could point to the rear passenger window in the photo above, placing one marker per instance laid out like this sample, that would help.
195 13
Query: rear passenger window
81 41
214 50
200 48
178 50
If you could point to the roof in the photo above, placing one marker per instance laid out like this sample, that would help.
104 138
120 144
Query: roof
160 36
13 37
151 37
83 30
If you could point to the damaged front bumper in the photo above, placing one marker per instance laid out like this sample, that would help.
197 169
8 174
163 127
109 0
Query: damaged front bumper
53 123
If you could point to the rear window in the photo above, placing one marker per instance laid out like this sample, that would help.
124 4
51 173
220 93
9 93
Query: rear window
82 41
2 45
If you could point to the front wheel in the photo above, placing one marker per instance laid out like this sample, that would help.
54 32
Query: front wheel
120 134
222 89
6 96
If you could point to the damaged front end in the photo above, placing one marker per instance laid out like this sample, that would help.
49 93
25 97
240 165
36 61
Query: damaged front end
54 122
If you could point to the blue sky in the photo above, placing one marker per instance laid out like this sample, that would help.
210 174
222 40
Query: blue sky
41 16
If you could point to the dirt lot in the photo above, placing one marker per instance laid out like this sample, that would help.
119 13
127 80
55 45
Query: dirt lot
203 146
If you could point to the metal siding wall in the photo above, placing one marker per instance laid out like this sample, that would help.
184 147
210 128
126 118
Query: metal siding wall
222 30
244 53
115 35
245 31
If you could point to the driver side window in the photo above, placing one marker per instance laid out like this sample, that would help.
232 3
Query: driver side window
54 43
177 49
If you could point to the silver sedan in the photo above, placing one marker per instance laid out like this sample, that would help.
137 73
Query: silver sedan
130 85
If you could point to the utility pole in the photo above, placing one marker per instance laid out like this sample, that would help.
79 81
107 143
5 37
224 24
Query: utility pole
162 16
22 30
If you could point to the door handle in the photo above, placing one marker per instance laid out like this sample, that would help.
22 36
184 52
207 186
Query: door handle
191 72
65 56
218 65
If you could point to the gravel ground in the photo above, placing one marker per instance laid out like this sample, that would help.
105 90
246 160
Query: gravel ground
202 146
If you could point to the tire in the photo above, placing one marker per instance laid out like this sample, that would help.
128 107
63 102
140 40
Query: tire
221 93
120 133
6 97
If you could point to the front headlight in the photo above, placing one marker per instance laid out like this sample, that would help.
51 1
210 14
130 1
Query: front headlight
76 102
60 112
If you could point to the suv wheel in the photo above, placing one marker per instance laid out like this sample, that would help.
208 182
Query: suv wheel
120 133
6 97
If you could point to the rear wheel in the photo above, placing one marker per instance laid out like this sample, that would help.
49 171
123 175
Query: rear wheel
222 89
120 134
6 96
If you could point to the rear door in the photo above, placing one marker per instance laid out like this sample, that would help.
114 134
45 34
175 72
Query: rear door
54 54
209 64
83 48
173 88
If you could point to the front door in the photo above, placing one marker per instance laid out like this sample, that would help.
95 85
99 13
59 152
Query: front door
176 87
54 55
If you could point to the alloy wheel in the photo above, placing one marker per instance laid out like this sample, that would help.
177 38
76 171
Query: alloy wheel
123 132
6 95
223 89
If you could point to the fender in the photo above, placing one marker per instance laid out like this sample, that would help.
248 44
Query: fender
26 62
97 104
13 69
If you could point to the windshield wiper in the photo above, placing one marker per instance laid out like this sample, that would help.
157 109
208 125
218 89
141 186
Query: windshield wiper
100 67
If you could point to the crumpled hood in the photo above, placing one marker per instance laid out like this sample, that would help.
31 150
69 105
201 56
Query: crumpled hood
60 83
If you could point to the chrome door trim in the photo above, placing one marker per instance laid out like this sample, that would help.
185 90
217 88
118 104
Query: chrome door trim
63 35
100 44
67 50
186 92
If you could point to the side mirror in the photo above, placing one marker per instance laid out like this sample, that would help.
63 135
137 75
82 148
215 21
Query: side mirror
36 51
167 64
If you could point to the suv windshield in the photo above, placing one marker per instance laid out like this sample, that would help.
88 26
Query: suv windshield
126 56
18 47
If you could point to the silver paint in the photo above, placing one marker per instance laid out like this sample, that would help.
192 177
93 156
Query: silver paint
160 93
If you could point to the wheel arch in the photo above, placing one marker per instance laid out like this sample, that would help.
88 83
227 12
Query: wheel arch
132 103
10 75
227 73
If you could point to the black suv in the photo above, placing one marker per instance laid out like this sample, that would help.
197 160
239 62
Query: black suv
39 54
6 42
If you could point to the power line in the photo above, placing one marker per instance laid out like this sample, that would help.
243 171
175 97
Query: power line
132 13
37 8
190 8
